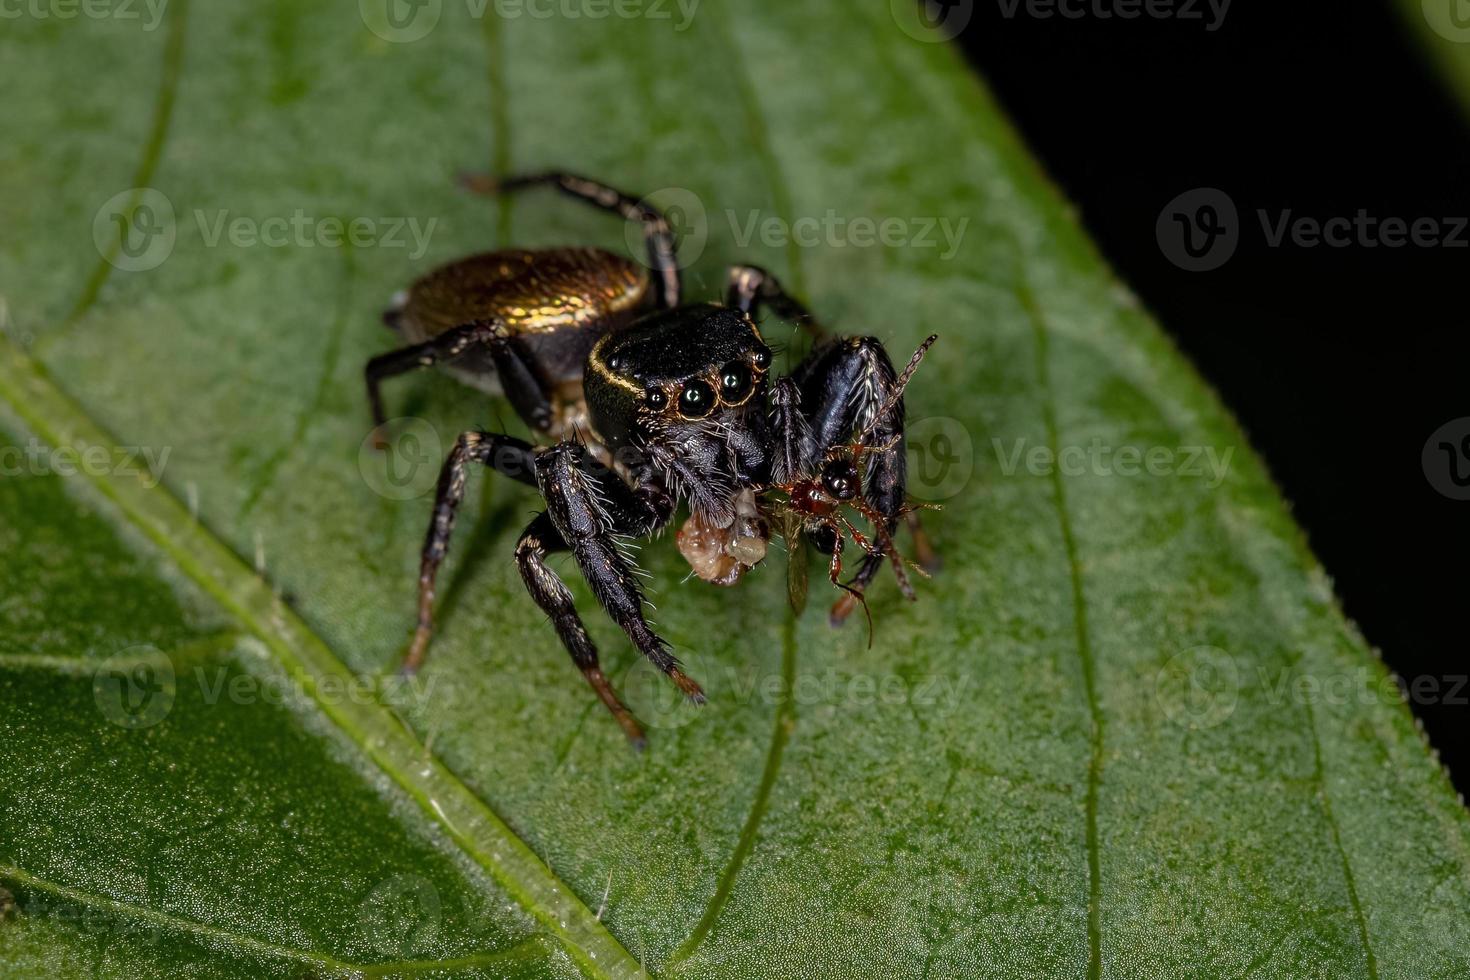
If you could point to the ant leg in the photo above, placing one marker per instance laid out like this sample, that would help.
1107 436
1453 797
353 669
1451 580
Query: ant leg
749 287
657 234
519 382
834 573
850 386
590 508
924 552
508 456
539 539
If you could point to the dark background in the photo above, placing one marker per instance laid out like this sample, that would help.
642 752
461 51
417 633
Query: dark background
1339 362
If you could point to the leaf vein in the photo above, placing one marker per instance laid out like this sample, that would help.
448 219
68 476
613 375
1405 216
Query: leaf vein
1084 643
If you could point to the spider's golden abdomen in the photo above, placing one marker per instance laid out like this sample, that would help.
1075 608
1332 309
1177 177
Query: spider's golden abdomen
544 297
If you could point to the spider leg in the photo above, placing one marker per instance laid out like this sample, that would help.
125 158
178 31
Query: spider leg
794 449
657 235
591 509
525 391
505 455
539 539
750 287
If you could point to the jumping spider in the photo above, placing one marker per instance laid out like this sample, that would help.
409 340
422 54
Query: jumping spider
647 402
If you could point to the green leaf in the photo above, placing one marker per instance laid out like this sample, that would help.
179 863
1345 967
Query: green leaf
1124 733
1443 27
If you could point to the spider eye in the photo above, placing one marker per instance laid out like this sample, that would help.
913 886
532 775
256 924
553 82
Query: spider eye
840 479
734 382
762 357
656 399
697 400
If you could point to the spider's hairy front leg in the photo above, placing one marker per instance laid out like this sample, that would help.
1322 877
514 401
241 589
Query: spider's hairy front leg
508 456
591 508
794 451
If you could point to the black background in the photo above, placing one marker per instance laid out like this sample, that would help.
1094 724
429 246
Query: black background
1339 362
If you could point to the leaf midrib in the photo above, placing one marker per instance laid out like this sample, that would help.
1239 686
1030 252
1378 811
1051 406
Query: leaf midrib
466 818
250 944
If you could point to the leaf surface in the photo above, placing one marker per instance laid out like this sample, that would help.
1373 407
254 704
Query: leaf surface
1124 733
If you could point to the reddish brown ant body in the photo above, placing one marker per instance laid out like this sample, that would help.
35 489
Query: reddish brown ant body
816 489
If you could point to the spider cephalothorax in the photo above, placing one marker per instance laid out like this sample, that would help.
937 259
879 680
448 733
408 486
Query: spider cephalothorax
646 403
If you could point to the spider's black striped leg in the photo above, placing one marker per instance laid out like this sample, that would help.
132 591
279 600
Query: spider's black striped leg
538 540
526 393
590 508
749 287
505 455
657 235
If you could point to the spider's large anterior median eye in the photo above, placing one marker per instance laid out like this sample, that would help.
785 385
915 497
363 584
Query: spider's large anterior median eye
840 479
734 383
697 400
